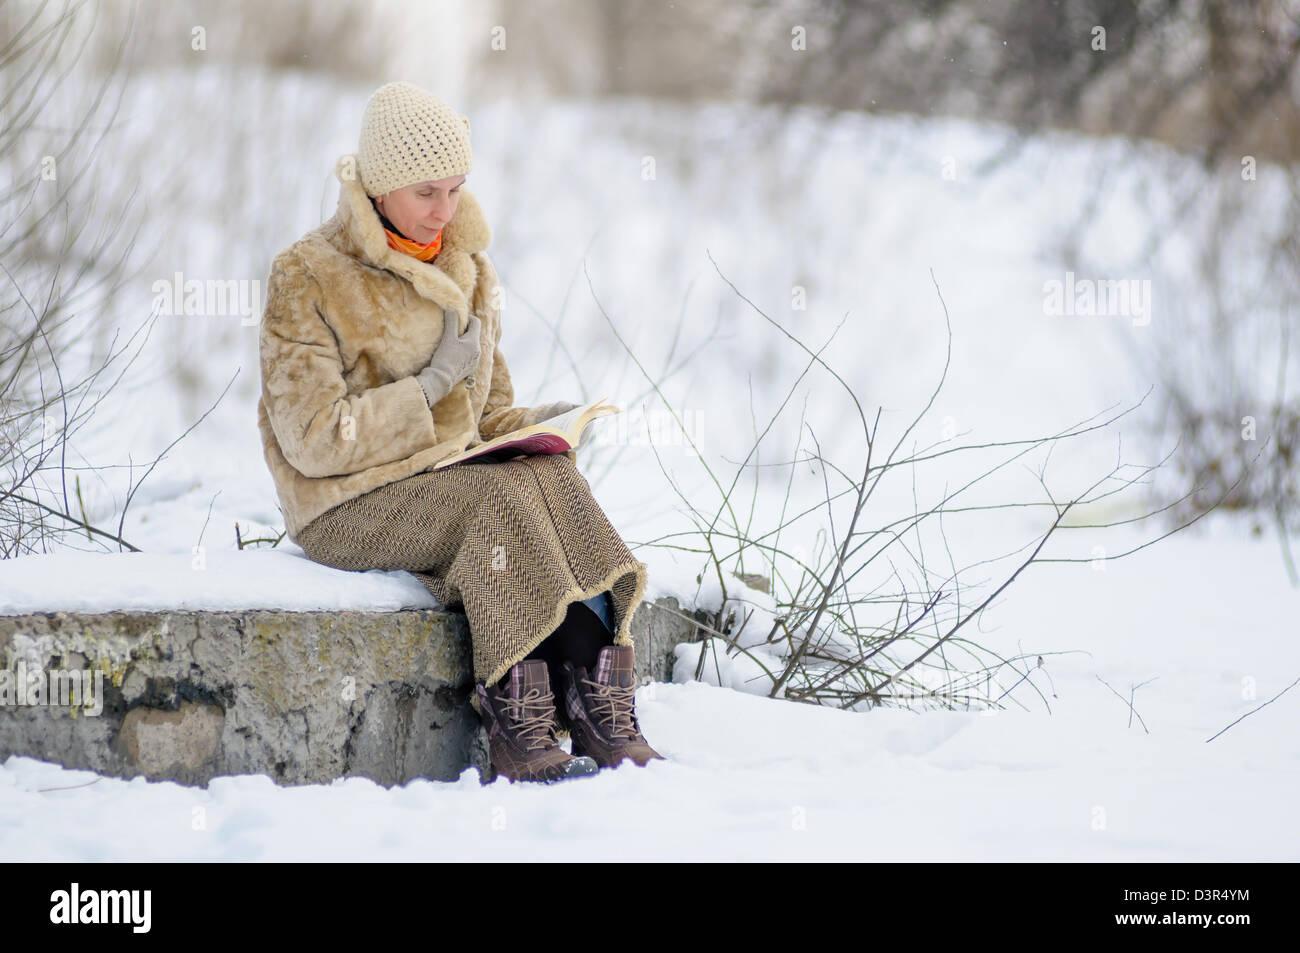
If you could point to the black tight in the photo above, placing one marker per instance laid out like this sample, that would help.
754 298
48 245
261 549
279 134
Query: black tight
578 639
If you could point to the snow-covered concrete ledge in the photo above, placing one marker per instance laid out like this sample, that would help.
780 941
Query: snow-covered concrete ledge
333 674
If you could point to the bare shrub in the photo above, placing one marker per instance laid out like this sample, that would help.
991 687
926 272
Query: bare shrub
872 616
59 282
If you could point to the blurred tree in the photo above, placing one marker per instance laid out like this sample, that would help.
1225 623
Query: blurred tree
1192 73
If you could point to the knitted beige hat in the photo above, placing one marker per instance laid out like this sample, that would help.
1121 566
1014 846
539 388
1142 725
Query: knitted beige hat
409 136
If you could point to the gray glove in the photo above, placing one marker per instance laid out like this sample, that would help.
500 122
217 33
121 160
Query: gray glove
547 411
455 357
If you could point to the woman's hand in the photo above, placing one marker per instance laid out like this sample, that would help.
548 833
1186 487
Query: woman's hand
455 357
547 411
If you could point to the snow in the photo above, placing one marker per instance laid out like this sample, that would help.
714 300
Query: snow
750 777
218 580
1204 621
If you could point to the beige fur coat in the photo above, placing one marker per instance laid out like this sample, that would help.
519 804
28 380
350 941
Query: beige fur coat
348 323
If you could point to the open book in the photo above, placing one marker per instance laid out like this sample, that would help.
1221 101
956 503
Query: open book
560 433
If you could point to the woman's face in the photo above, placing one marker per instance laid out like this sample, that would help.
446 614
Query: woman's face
420 210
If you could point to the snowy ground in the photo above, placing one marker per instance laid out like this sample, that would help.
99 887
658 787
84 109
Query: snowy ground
750 777
1207 614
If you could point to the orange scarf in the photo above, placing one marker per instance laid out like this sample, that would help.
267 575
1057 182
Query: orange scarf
422 252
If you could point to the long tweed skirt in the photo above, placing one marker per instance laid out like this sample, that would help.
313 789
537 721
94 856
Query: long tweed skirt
511 544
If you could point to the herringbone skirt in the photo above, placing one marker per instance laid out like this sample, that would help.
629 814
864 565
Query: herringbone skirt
511 544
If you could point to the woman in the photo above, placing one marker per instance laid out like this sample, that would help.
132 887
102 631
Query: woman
380 356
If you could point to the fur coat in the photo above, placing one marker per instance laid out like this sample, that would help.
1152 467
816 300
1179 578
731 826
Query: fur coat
348 322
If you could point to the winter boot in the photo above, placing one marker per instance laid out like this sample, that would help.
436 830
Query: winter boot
601 710
579 639
520 717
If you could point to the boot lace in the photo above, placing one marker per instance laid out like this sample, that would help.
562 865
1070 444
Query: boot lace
535 729
613 706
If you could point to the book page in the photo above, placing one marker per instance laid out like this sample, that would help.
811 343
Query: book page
511 445
567 419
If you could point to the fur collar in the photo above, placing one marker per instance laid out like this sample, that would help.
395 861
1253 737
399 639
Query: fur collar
448 278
